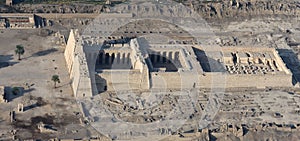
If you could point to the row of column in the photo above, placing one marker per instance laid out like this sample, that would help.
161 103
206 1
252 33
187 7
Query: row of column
112 58
164 57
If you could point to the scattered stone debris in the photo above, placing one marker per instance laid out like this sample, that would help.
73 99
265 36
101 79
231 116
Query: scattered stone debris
44 128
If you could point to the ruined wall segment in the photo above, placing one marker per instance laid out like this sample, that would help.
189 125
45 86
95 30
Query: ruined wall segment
122 67
77 65
9 2
70 49
249 67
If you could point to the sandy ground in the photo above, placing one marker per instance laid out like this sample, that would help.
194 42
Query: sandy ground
42 103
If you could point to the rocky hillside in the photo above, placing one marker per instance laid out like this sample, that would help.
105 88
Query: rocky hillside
213 9
246 8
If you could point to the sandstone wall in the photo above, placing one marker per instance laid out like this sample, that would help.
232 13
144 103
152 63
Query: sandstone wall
69 51
244 81
78 68
140 64
75 75
187 80
122 80
173 80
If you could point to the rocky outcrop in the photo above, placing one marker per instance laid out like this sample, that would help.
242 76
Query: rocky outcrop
246 8
232 9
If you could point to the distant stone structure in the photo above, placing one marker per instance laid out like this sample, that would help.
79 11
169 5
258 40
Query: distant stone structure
17 21
9 2
20 108
2 23
108 2
21 21
60 39
2 94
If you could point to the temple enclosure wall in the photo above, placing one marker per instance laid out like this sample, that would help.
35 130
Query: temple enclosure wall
214 80
124 80
120 80
257 81
69 51
173 80
77 66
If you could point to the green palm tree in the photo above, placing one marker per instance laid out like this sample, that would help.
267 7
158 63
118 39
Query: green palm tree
55 79
19 51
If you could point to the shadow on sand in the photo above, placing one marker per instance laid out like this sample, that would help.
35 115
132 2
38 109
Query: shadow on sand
44 52
12 93
290 58
5 61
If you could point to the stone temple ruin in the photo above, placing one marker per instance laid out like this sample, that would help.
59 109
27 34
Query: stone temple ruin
139 65
25 20
121 54
251 61
17 21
